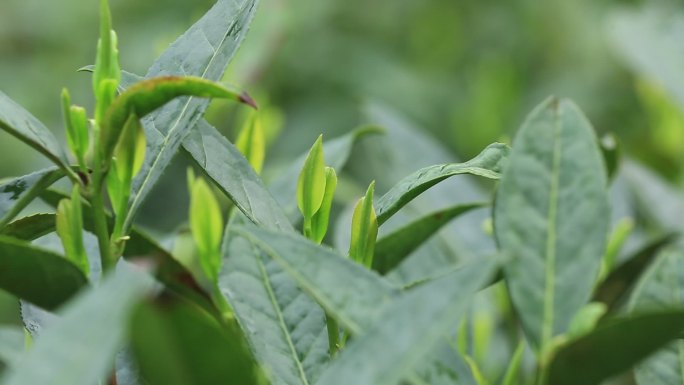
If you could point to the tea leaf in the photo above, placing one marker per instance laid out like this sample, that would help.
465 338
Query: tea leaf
407 330
149 95
18 122
660 289
176 344
311 182
69 227
336 153
612 348
38 276
351 293
212 152
204 50
393 248
31 227
489 164
321 220
206 224
619 283
285 328
553 190
252 144
364 230
168 271
80 346
17 193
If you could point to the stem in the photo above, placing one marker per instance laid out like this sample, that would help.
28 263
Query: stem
333 335
100 220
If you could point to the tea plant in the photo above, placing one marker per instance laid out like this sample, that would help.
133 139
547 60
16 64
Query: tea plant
257 302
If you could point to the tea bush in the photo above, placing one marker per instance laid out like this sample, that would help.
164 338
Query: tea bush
430 280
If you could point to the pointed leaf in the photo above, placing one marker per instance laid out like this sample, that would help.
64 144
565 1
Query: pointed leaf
204 50
336 153
364 229
393 248
80 346
661 289
321 220
17 193
489 164
148 95
213 152
176 344
619 283
252 144
31 227
613 348
206 224
38 276
285 329
407 330
552 192
21 124
311 182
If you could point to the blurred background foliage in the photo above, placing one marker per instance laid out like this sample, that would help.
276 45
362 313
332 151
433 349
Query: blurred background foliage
467 70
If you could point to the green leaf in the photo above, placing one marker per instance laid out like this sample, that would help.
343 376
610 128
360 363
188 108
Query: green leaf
660 289
586 319
206 224
176 344
38 276
252 144
407 330
552 192
311 182
12 340
364 229
148 95
80 346
76 124
351 293
18 122
612 348
31 227
69 226
620 282
168 271
336 153
395 247
17 193
285 329
321 220
204 50
489 164
513 370
213 152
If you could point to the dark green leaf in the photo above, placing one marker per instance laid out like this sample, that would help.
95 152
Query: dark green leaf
20 123
659 290
620 281
552 194
31 227
351 293
176 344
393 248
226 166
80 346
168 271
284 327
489 164
408 329
16 193
613 348
336 153
38 276
204 51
